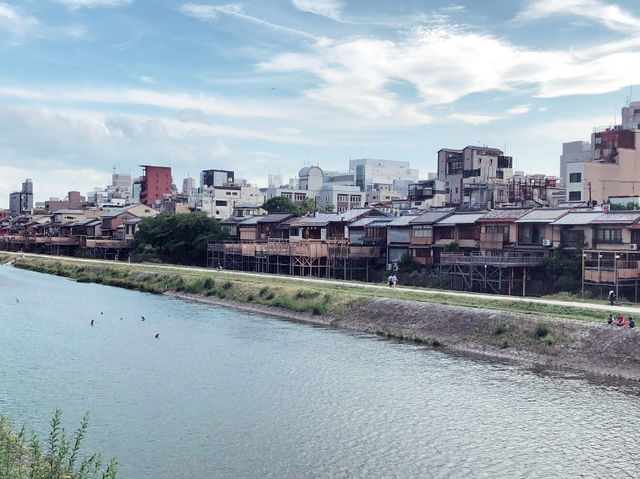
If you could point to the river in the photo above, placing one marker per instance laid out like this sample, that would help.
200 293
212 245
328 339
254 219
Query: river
227 394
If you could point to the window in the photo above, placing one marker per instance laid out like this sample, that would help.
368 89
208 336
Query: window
343 198
610 235
575 177
300 196
422 232
221 203
355 198
575 196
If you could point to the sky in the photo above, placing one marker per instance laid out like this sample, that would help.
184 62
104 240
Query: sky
263 87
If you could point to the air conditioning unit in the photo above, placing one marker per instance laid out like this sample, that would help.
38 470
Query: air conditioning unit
633 247
546 242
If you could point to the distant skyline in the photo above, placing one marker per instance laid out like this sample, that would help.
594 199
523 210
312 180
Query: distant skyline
268 87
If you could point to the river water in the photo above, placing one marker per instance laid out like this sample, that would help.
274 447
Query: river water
227 394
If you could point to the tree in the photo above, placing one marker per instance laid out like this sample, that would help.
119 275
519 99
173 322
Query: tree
280 204
177 238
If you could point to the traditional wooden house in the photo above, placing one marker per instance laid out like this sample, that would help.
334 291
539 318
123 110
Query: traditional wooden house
498 230
112 220
421 241
460 228
371 231
328 226
261 228
535 229
574 230
399 238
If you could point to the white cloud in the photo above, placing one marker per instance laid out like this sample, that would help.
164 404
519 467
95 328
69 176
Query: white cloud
212 12
519 109
15 20
473 119
94 3
444 64
147 79
610 15
325 8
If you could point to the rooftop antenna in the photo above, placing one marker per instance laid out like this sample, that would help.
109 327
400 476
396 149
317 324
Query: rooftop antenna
627 99
114 169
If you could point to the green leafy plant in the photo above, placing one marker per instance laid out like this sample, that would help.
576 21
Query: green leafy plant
23 457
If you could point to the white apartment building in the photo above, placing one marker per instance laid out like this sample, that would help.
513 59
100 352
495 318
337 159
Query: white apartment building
573 152
369 172
218 202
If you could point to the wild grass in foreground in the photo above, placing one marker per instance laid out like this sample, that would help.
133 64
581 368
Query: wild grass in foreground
23 456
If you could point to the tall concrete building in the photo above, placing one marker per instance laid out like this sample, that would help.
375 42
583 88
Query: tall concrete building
216 178
188 184
370 172
631 116
573 152
21 202
155 184
475 174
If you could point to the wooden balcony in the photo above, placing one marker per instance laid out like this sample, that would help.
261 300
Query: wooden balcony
491 241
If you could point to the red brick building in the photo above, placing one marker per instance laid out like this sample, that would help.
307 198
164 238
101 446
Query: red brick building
156 182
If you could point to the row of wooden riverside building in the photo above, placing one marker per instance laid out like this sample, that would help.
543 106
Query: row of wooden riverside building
491 251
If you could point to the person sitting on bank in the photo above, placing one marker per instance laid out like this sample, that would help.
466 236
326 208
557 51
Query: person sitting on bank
610 319
394 279
632 323
620 321
390 279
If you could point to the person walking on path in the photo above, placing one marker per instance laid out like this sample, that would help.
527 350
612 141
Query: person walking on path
612 297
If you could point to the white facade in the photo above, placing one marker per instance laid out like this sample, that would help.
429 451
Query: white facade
576 182
631 116
573 152
369 171
219 202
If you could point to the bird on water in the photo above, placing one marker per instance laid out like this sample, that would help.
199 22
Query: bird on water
92 321
157 335
143 318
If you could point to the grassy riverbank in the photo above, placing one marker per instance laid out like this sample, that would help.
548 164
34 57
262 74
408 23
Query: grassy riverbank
291 297
330 298
5 257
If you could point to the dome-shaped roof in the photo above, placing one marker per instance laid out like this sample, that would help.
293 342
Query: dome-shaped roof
303 172
315 170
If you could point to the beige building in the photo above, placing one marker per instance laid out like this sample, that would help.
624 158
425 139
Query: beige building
613 172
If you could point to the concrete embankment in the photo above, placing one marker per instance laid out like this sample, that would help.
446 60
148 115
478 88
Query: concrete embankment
530 337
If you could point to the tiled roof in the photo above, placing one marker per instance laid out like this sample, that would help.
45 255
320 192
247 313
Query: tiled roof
576 218
273 218
432 216
402 220
461 219
66 211
542 215
619 217
506 214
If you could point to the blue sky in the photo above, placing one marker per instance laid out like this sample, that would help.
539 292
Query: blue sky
267 87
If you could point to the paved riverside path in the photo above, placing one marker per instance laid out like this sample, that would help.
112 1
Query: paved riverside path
353 284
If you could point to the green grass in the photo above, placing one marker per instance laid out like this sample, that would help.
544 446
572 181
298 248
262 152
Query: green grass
269 288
